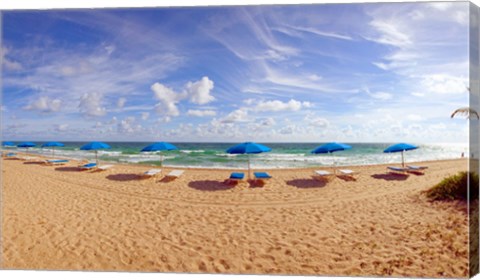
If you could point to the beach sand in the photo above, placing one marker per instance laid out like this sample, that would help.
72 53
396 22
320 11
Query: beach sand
59 218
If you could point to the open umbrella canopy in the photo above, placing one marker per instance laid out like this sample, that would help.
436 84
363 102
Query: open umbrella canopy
248 148
160 146
26 145
95 146
330 148
8 144
400 147
53 144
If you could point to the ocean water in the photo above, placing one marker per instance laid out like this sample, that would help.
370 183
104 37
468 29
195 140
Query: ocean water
283 155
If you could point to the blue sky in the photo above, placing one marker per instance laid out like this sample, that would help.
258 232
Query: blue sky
333 72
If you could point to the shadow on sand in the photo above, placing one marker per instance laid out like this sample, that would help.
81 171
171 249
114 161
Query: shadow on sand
347 178
125 177
391 176
210 185
308 183
68 169
33 162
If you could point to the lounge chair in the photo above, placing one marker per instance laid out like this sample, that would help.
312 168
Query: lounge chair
174 174
321 174
10 155
151 173
397 170
262 175
88 166
104 167
347 172
56 161
416 169
235 177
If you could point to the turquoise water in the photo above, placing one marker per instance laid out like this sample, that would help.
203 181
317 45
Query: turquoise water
283 155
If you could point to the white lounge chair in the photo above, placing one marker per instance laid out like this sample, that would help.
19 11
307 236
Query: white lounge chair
104 167
56 161
347 172
175 174
416 169
151 172
397 170
322 174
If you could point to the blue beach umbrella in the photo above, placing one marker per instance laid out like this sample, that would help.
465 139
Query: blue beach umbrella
159 146
400 147
26 145
95 146
8 144
53 145
248 148
330 148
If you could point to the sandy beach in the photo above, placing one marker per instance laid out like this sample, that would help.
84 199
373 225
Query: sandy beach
60 218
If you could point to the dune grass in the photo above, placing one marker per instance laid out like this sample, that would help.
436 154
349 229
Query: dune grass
455 187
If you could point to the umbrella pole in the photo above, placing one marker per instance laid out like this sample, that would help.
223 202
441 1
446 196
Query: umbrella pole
161 159
96 157
249 167
403 160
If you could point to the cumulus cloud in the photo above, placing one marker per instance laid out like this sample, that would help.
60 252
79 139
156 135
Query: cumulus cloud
121 102
168 100
277 105
145 115
239 115
91 105
201 113
60 127
444 84
199 92
317 121
44 105
381 95
8 63
128 125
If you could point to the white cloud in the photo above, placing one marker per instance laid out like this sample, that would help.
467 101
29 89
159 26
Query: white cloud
60 127
414 117
128 125
201 113
239 115
199 92
8 63
168 100
145 115
381 95
277 105
317 121
44 105
91 105
444 84
267 122
390 33
196 92
121 102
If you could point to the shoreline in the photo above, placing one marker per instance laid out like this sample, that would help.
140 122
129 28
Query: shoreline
122 163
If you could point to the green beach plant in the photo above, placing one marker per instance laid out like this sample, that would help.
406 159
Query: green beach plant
455 187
